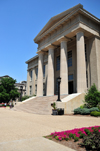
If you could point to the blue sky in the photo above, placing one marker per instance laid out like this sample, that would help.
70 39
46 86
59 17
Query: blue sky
20 22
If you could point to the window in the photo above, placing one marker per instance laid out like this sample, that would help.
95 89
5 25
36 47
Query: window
44 71
43 88
58 63
70 77
87 78
56 84
31 75
36 72
85 54
35 89
69 58
30 90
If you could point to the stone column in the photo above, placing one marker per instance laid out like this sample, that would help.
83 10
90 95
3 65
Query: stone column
81 65
63 68
40 75
50 80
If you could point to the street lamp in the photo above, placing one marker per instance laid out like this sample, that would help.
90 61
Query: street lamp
21 88
59 80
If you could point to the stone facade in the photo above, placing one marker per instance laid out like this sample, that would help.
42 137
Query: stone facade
69 47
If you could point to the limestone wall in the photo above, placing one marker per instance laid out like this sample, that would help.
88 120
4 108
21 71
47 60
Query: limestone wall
73 103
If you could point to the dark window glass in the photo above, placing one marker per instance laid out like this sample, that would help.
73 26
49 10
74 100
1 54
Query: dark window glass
36 71
69 58
30 90
31 75
58 63
56 84
44 71
35 89
85 54
70 77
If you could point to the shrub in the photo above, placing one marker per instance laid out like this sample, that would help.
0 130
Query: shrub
94 109
98 105
95 113
92 98
25 97
77 110
85 111
82 106
92 142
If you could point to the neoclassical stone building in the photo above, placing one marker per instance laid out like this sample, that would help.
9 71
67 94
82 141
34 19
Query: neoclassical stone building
69 47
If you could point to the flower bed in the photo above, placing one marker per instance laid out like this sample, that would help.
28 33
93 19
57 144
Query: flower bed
79 134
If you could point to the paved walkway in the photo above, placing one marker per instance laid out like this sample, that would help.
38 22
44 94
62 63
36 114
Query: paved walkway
20 131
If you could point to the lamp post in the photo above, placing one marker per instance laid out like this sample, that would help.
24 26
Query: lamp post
21 88
59 80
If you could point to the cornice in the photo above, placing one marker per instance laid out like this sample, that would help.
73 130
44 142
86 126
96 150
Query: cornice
58 16
31 59
65 19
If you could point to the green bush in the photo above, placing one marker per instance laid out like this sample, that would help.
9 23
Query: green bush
77 110
94 109
92 142
82 106
85 111
25 97
95 113
92 98
98 105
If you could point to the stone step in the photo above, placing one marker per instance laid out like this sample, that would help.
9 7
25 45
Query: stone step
38 105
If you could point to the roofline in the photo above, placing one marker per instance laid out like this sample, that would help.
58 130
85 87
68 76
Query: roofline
74 7
31 59
4 76
37 38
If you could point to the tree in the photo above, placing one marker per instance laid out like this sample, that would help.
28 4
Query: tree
8 90
92 98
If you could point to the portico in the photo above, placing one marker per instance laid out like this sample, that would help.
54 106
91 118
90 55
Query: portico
67 47
81 67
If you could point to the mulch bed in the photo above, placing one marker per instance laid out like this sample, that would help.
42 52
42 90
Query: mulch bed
69 143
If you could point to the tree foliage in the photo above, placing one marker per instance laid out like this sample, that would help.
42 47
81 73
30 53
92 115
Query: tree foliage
92 98
8 90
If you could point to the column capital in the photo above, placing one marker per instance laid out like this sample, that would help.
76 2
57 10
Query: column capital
63 39
51 47
79 31
40 52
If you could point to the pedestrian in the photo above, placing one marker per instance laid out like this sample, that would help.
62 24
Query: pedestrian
5 104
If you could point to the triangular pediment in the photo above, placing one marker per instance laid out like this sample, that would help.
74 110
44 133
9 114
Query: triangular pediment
56 19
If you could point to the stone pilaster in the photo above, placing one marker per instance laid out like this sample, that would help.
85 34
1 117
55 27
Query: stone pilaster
81 65
40 75
50 80
63 68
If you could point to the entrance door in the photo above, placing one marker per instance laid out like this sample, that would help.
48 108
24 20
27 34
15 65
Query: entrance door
70 87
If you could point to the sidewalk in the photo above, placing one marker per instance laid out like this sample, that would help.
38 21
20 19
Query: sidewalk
33 144
20 131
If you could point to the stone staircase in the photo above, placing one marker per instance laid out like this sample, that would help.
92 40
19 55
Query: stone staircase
38 105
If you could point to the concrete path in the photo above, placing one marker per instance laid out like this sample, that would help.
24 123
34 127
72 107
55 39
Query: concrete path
20 131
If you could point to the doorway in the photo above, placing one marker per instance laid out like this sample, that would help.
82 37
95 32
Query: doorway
70 87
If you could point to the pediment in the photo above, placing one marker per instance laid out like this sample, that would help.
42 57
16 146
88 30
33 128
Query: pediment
56 19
